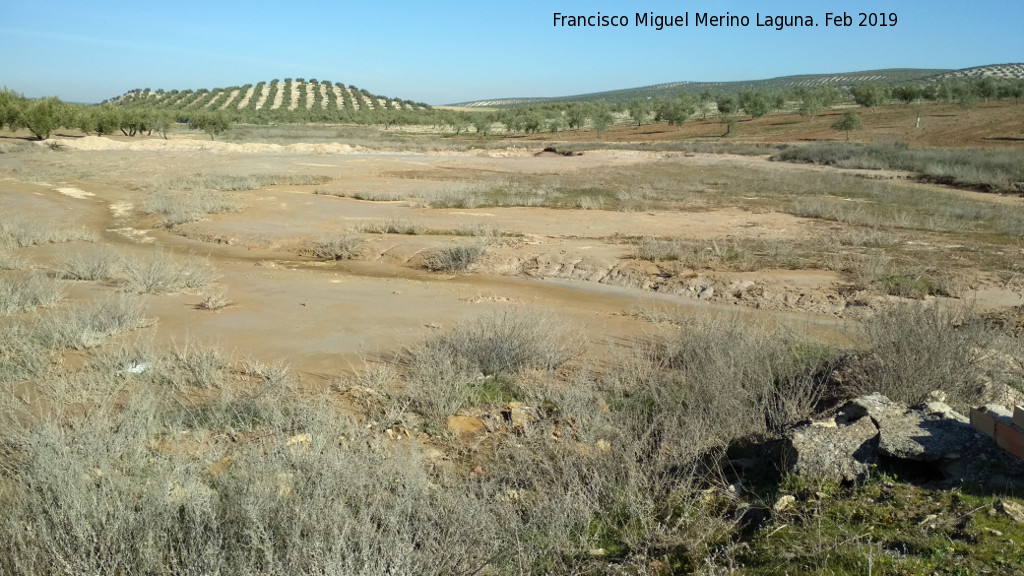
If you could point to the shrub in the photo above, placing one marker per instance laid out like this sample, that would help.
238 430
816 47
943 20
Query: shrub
28 293
162 273
476 359
184 207
99 264
454 258
21 232
337 248
916 348
88 326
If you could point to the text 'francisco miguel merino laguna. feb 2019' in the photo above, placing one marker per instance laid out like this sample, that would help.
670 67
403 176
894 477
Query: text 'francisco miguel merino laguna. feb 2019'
708 20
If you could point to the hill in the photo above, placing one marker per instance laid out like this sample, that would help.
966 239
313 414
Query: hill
289 97
890 76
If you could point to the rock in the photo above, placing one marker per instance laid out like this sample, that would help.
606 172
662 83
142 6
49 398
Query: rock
1012 510
784 503
841 454
300 442
220 467
464 425
874 405
913 436
603 447
929 522
517 414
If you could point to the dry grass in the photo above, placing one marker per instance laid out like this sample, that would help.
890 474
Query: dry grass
28 293
20 231
184 207
165 273
456 258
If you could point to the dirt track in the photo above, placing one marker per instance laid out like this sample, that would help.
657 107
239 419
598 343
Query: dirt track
325 317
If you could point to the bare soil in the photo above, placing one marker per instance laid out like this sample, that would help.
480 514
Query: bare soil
574 264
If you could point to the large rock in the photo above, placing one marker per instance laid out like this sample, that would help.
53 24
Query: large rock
832 452
932 439
919 437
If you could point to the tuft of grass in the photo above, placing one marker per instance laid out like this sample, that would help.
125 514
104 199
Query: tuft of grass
911 286
19 231
393 226
28 293
337 248
201 182
915 348
163 273
100 263
184 207
10 260
215 300
454 258
997 170
88 326
476 360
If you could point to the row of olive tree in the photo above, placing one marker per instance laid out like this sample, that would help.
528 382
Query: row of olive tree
42 116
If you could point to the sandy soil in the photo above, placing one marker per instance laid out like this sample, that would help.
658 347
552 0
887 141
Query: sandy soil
328 317
231 98
338 97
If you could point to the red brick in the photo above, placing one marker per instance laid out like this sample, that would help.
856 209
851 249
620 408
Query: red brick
1010 438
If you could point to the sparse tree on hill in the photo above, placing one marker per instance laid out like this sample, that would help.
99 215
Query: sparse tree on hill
601 117
639 109
730 122
575 116
703 100
482 123
726 104
676 111
868 95
43 116
810 104
754 102
212 123
848 122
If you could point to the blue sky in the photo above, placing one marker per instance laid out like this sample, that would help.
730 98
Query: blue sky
442 52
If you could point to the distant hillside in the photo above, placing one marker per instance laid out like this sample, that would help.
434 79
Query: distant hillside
290 97
847 79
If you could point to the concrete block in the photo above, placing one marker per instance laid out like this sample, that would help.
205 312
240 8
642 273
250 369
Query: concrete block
984 419
1018 417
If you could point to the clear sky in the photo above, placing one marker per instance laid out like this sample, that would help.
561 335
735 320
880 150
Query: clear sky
450 51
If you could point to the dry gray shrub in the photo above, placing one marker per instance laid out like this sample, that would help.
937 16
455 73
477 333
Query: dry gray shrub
337 247
89 325
100 263
454 258
163 273
11 260
183 207
215 300
446 369
915 348
21 294
20 231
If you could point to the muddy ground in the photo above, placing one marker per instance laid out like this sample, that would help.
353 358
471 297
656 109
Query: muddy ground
576 263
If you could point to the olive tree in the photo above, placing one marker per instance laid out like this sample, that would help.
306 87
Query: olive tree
848 122
639 109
